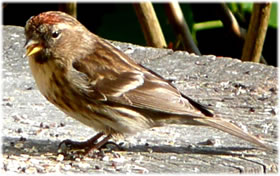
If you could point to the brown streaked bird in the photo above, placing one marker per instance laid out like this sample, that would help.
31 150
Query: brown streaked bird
100 86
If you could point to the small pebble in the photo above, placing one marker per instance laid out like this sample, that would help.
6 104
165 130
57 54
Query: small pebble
19 145
60 157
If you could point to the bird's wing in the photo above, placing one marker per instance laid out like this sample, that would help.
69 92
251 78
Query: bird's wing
113 77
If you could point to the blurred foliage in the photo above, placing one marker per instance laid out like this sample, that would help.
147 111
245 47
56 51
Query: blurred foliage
240 10
187 10
211 37
273 15
207 25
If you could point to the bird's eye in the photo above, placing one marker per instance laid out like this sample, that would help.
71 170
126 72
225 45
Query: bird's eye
55 34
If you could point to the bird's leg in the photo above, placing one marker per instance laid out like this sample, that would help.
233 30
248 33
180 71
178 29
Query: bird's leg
86 145
98 145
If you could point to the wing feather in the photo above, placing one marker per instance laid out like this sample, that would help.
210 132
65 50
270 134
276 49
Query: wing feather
129 83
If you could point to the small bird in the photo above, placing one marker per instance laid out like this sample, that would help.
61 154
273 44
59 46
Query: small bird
97 84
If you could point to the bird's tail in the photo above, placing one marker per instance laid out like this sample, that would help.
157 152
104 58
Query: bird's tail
231 129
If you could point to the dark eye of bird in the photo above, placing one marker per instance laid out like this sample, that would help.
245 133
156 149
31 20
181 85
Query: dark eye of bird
55 34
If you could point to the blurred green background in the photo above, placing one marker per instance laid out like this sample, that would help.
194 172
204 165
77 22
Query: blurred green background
119 22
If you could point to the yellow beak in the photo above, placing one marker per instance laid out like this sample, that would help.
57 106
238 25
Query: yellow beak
32 47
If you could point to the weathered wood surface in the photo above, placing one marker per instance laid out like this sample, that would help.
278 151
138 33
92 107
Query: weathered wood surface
243 92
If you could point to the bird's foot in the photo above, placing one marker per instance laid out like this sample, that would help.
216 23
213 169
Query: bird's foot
75 149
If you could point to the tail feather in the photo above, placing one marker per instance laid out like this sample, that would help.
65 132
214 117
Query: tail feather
231 129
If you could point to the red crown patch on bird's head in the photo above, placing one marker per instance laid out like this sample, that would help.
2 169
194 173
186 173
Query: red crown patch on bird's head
48 18
52 17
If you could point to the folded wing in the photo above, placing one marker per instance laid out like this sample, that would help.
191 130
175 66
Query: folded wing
113 76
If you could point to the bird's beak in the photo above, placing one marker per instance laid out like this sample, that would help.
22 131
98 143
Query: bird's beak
32 47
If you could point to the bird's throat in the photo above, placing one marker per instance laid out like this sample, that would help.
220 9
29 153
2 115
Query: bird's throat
40 58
